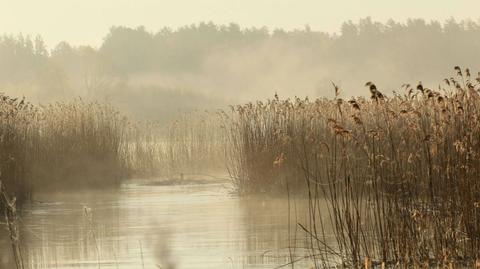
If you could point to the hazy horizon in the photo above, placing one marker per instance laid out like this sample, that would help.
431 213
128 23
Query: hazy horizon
253 134
87 22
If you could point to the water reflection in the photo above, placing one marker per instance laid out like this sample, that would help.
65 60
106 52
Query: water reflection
148 226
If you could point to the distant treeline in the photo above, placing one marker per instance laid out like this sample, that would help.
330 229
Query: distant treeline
235 63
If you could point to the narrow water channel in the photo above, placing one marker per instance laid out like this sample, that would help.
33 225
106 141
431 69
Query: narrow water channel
144 225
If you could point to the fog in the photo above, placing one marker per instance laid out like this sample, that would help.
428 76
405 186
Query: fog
239 134
156 73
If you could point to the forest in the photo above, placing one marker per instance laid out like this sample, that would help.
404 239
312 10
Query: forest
178 69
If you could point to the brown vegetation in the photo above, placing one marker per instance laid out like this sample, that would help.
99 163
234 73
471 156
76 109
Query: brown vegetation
75 144
399 174
194 143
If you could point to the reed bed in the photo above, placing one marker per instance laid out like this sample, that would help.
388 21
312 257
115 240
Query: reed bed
61 145
193 143
16 131
80 144
399 175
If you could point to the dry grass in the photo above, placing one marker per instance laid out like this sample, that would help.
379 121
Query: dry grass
11 222
81 144
76 144
400 175
194 143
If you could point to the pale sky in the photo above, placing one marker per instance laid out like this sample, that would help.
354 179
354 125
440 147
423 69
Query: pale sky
87 21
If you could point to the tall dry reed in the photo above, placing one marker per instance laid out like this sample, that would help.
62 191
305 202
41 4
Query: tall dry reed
194 143
61 145
399 174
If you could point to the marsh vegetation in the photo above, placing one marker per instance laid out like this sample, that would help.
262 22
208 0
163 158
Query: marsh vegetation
382 179
399 174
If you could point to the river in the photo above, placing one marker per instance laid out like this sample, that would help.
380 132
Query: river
197 224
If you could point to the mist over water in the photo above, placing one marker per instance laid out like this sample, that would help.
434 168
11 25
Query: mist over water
142 225
156 74
227 145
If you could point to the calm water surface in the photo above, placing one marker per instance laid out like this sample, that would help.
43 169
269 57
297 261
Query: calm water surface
141 225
